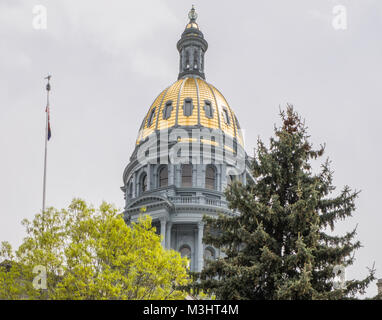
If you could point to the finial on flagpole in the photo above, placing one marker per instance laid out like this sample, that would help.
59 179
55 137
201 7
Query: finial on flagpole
48 84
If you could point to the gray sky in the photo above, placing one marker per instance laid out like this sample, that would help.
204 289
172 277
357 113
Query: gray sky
110 59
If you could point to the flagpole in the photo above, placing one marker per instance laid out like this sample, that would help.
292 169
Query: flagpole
46 141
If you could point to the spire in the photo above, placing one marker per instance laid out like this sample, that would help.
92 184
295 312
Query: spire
192 47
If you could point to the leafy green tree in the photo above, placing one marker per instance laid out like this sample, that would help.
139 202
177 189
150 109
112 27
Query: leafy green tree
91 254
11 284
282 246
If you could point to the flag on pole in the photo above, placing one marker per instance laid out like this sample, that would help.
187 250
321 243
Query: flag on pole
49 131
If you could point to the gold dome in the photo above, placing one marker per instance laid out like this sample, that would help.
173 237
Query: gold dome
190 102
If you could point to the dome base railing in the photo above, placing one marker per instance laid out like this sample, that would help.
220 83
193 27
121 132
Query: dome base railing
198 200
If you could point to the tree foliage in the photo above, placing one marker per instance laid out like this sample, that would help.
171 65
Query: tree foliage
91 254
282 246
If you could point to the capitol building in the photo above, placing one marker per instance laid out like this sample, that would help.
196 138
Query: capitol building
188 150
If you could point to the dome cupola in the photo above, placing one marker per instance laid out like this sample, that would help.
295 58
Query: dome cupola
191 102
192 47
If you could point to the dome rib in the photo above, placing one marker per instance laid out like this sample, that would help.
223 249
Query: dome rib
177 101
216 103
198 97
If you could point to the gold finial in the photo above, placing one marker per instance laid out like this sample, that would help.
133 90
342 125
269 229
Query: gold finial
192 14
48 84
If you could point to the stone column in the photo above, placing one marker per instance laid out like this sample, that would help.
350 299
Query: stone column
135 185
168 235
200 179
191 58
171 174
194 175
149 178
200 246
218 177
223 177
163 230
177 175
195 252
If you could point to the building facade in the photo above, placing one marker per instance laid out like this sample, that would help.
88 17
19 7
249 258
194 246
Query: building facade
189 148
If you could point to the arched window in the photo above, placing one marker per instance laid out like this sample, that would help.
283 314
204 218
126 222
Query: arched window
187 60
130 189
209 254
187 107
226 116
151 118
143 183
186 175
163 177
167 110
185 251
209 112
230 179
210 177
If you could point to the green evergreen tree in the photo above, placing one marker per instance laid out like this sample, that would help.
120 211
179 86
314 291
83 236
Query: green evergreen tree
281 246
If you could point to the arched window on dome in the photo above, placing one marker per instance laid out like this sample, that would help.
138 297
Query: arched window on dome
167 110
208 109
226 116
163 177
143 183
186 175
211 177
187 107
151 118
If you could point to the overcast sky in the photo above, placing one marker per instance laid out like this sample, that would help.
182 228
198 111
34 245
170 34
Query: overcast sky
110 59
